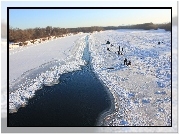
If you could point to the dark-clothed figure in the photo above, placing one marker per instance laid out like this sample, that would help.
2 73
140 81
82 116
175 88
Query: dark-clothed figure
107 42
129 63
125 61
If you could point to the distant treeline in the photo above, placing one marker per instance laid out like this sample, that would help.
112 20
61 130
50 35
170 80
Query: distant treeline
145 26
19 35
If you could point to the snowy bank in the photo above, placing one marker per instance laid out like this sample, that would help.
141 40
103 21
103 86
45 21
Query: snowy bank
56 63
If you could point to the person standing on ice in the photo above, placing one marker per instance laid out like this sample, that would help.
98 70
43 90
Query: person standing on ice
125 61
119 52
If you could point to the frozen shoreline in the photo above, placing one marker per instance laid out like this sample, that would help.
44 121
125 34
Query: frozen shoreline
45 75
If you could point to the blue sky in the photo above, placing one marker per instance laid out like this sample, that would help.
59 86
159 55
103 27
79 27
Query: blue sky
30 18
80 18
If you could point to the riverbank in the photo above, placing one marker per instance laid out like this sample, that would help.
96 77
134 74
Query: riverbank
77 100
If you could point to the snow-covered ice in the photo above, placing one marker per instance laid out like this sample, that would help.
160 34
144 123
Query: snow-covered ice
32 67
142 91
32 56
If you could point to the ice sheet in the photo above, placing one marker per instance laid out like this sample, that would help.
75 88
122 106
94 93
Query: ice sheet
142 91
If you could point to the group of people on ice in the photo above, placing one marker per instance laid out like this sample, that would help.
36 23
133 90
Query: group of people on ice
120 53
127 63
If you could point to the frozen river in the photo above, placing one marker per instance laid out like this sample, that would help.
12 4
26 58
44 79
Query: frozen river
77 100
141 92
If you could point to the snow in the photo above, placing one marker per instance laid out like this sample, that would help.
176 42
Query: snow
13 46
142 91
42 64
174 127
32 56
137 88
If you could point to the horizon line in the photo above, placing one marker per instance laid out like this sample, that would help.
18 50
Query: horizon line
90 26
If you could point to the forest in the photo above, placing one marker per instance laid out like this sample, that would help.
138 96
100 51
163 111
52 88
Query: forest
22 35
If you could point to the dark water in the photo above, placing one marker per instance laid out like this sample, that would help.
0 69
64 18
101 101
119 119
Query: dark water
78 100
